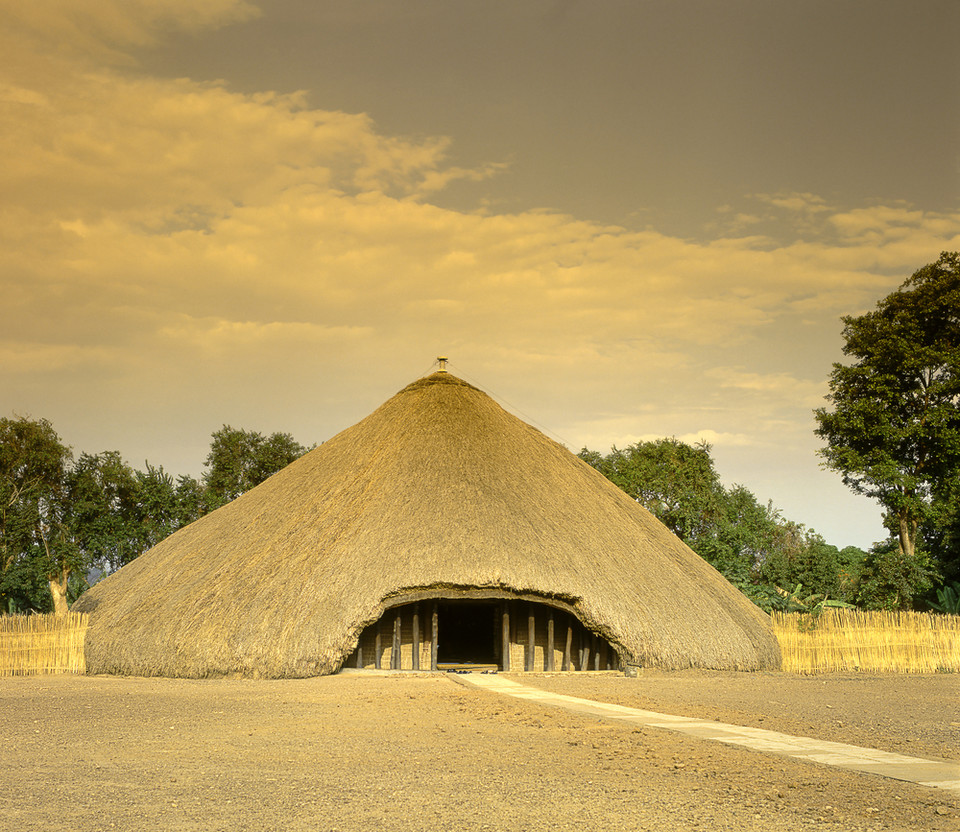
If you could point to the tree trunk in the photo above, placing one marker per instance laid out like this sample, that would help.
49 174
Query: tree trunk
58 589
907 537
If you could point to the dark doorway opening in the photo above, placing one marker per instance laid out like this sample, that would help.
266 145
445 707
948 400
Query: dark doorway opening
467 632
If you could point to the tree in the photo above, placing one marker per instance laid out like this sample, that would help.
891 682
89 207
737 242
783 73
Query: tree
241 459
102 493
674 481
34 537
62 521
748 542
893 433
161 506
821 569
891 581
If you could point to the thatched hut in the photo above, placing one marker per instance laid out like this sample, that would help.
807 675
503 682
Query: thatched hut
438 529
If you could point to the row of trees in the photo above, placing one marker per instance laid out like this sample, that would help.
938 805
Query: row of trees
776 562
893 433
893 429
64 521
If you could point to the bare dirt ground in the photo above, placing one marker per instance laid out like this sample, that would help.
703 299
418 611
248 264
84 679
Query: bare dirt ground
406 752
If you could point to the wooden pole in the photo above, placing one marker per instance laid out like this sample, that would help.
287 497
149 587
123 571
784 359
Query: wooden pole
360 653
550 641
584 651
396 660
531 636
595 651
377 646
434 623
505 637
568 647
416 636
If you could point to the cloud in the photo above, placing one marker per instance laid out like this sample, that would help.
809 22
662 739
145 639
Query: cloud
24 357
225 337
176 248
803 203
104 29
780 386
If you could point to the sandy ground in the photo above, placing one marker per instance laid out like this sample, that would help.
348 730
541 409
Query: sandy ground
418 752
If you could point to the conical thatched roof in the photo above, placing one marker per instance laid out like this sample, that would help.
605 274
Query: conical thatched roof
439 487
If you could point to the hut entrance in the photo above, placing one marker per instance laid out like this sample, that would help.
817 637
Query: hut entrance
467 633
496 633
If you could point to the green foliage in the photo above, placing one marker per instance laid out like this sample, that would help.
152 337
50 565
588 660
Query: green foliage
102 491
827 572
941 531
749 543
674 481
894 431
948 599
814 603
241 459
35 545
61 521
891 579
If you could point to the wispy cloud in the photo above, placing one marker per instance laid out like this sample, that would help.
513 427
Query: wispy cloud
161 239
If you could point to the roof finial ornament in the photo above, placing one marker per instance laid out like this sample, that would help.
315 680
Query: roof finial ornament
442 361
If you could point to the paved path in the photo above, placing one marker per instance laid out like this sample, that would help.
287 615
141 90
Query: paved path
939 774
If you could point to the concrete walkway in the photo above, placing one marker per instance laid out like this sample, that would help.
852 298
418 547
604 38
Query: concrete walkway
939 774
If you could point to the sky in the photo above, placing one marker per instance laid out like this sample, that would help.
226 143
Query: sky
624 219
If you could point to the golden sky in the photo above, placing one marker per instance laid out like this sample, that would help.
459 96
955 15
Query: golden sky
623 221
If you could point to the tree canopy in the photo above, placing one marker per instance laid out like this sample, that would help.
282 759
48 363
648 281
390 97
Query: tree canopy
748 542
893 431
62 522
241 459
35 541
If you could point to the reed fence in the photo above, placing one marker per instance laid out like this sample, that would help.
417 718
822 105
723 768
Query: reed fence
36 644
836 640
871 641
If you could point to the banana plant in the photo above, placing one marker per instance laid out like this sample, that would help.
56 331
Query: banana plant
948 599
813 604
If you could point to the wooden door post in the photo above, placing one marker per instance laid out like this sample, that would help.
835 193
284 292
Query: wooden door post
505 636
396 660
550 641
531 636
416 636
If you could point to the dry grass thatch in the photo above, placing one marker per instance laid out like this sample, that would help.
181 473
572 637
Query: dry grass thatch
879 642
36 644
439 489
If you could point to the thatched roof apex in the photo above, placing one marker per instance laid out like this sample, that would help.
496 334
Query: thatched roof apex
438 489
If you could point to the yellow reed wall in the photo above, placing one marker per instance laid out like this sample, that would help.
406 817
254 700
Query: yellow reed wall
839 640
871 641
35 644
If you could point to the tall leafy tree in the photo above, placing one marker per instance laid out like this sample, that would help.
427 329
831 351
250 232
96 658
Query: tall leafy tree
35 542
241 459
893 431
674 481
747 541
102 494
